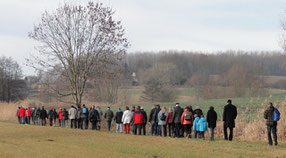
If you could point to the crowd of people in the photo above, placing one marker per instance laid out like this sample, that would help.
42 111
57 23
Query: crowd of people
174 122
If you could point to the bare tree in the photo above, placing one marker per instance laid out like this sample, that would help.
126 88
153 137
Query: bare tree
77 42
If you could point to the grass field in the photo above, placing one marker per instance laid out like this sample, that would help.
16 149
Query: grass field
48 142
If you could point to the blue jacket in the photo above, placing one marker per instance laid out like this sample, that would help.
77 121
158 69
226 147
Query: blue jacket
202 125
195 124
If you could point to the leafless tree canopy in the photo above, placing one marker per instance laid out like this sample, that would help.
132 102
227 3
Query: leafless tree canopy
78 42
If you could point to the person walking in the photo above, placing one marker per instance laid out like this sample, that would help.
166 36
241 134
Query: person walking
50 116
202 123
21 114
118 121
178 111
84 116
66 118
272 115
54 117
126 119
33 116
144 120
152 121
61 118
211 119
187 121
43 116
162 126
72 116
196 126
99 117
229 116
108 115
93 117
137 120
28 115
79 120
37 116
169 122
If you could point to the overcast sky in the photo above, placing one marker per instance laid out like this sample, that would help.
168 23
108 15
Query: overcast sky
152 25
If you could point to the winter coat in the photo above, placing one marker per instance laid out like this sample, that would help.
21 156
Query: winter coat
28 113
108 115
186 122
21 112
50 114
37 113
93 115
211 118
65 114
118 116
60 114
84 115
178 111
144 116
126 118
229 115
138 117
54 114
43 114
152 118
162 122
169 117
199 112
72 113
202 123
196 124
269 116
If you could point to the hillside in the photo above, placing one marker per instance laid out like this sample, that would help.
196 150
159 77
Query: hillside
31 141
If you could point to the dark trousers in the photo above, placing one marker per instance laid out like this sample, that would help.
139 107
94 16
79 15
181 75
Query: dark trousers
108 125
154 128
144 129
79 123
171 129
226 137
85 123
274 132
178 129
202 135
188 130
73 123
51 121
162 128
137 127
93 124
196 134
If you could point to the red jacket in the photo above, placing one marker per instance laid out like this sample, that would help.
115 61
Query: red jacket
28 113
169 117
60 114
186 122
21 112
138 117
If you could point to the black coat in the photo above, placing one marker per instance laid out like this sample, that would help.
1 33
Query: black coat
229 115
43 114
93 115
211 118
144 116
151 116
118 117
178 111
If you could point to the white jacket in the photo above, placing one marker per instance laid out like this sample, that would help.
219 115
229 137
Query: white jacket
126 118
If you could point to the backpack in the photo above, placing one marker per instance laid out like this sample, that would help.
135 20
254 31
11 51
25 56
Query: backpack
188 116
163 117
84 110
276 115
